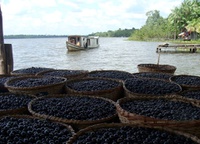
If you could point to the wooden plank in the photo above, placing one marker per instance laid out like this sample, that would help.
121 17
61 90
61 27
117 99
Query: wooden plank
3 69
9 57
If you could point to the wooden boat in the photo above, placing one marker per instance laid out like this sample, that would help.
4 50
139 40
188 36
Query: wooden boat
77 42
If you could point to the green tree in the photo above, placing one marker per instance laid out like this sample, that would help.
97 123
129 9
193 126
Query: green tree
156 27
185 16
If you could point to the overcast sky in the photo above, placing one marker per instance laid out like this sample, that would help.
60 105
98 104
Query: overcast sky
65 17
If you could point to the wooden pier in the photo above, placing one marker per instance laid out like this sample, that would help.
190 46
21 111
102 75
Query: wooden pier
192 48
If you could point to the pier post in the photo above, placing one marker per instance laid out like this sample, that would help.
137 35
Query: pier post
3 69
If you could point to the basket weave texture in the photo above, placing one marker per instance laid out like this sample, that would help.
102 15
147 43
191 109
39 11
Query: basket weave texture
96 127
31 71
156 68
77 124
188 126
56 88
110 93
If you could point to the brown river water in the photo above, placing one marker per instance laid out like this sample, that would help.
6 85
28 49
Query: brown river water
113 54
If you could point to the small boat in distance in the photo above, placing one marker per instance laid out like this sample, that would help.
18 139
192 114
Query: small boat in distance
78 42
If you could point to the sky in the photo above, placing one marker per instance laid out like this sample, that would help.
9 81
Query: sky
67 17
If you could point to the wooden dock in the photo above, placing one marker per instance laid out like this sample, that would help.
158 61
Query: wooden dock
192 48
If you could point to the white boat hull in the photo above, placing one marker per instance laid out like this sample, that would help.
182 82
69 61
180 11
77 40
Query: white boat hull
73 47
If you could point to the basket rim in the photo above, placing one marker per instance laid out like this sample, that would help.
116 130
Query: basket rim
52 70
70 121
30 74
151 65
32 88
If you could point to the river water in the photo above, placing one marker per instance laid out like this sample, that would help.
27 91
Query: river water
113 54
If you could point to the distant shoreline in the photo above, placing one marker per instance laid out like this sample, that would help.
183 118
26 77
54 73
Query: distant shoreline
32 36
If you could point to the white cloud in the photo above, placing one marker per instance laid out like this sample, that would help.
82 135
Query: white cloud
78 16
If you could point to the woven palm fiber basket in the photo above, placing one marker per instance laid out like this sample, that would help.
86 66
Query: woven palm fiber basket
76 124
113 93
47 88
188 126
17 110
187 82
191 95
69 74
162 68
3 79
154 75
144 87
98 127
112 74
65 126
31 71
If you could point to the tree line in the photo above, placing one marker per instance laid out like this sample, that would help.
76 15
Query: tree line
21 36
115 33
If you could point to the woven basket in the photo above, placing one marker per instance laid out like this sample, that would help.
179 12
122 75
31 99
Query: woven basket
156 68
195 99
188 126
129 93
3 79
154 75
187 78
112 74
20 110
97 127
66 126
31 71
56 88
111 93
77 124
69 74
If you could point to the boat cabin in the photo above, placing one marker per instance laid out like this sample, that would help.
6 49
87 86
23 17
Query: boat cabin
84 41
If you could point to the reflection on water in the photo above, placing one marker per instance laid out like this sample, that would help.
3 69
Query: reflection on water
113 54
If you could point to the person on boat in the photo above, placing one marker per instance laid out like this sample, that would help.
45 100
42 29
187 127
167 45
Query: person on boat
78 43
72 41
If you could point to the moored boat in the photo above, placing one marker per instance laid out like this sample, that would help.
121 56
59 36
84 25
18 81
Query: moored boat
78 42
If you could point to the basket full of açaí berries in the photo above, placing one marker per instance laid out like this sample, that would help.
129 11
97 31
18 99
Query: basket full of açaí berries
26 81
142 87
24 129
102 87
118 133
161 68
172 112
77 110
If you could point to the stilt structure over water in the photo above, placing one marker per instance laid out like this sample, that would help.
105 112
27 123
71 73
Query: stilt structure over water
6 56
178 48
